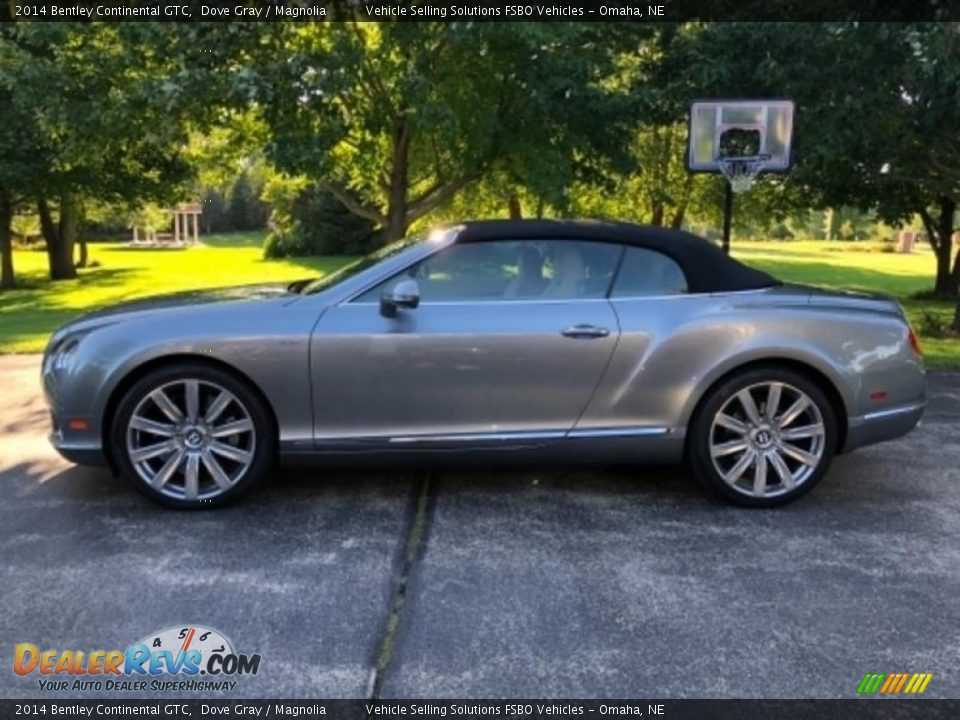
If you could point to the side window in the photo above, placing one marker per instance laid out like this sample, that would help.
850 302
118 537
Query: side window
648 272
511 270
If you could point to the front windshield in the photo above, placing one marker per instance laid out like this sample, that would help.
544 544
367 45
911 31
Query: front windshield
358 266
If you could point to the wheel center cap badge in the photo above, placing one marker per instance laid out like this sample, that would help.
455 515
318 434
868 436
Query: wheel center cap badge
193 438
763 438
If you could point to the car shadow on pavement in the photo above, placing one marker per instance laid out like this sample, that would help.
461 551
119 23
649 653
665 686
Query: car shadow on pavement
48 481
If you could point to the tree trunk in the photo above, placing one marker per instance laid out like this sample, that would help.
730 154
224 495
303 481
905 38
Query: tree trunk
676 222
60 238
955 275
84 256
514 207
397 216
940 236
956 318
656 217
945 230
942 252
834 221
680 212
7 279
399 179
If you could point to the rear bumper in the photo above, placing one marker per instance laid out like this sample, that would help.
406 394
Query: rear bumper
883 425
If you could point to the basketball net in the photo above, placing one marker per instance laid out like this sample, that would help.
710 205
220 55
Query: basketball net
741 172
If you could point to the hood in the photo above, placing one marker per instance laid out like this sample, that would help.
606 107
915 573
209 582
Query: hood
278 292
194 297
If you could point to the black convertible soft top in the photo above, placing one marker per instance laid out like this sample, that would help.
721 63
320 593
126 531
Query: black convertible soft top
706 267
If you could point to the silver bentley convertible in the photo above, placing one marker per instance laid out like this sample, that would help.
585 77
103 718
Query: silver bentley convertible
511 341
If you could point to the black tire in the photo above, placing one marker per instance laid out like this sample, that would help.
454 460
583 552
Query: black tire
700 459
260 442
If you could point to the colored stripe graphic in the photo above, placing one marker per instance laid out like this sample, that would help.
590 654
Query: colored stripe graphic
923 679
870 683
894 683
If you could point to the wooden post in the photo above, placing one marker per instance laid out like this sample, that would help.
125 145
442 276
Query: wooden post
135 239
176 226
906 240
196 227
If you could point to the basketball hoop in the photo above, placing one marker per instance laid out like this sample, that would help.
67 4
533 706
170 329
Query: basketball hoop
741 172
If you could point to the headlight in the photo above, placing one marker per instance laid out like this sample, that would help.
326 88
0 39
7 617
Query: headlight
59 357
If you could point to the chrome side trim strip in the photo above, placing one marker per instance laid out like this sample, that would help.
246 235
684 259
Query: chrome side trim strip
485 302
619 432
481 437
535 435
880 414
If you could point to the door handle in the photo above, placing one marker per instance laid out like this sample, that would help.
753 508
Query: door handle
584 331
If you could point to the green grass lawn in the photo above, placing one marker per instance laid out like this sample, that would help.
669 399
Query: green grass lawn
30 314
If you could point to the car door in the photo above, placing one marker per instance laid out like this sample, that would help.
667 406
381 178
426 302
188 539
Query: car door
647 379
508 343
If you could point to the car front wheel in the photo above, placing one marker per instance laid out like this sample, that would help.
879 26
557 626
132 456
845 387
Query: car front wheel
763 438
191 436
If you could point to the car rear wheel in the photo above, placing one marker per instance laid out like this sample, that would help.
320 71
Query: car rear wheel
763 438
191 436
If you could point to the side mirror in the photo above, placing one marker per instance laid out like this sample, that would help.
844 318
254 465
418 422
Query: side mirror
406 294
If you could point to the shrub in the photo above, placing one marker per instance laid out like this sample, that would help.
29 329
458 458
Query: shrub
245 209
310 221
931 325
213 219
781 232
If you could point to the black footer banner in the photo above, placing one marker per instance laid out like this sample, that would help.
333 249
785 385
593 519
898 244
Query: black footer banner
525 709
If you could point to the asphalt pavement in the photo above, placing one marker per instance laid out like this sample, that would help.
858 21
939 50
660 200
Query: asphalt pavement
548 582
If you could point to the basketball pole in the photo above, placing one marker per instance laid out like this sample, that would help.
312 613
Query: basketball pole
727 213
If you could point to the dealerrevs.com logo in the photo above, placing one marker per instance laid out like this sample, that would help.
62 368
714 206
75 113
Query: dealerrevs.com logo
199 658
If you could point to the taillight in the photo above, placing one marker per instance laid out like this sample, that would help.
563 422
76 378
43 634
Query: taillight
914 340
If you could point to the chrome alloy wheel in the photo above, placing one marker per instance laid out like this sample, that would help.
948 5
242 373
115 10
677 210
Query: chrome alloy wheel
191 439
767 439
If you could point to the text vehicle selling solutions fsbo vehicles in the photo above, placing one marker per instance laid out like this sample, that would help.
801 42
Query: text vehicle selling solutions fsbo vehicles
524 341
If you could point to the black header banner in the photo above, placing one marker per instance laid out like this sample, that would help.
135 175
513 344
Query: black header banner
479 10
521 709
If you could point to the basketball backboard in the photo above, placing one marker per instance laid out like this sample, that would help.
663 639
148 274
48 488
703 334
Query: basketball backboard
724 128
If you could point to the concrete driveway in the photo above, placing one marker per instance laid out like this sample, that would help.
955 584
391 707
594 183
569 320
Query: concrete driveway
615 582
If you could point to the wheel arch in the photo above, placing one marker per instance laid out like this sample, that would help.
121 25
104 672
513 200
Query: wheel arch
133 374
808 370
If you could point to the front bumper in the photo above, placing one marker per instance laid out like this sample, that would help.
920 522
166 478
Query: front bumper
882 425
83 447
79 453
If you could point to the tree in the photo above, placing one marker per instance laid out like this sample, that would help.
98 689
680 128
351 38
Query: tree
245 210
878 112
308 220
396 119
214 205
21 156
657 191
7 278
105 110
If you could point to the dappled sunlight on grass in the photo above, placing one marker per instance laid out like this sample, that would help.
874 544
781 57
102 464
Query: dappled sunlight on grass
30 314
